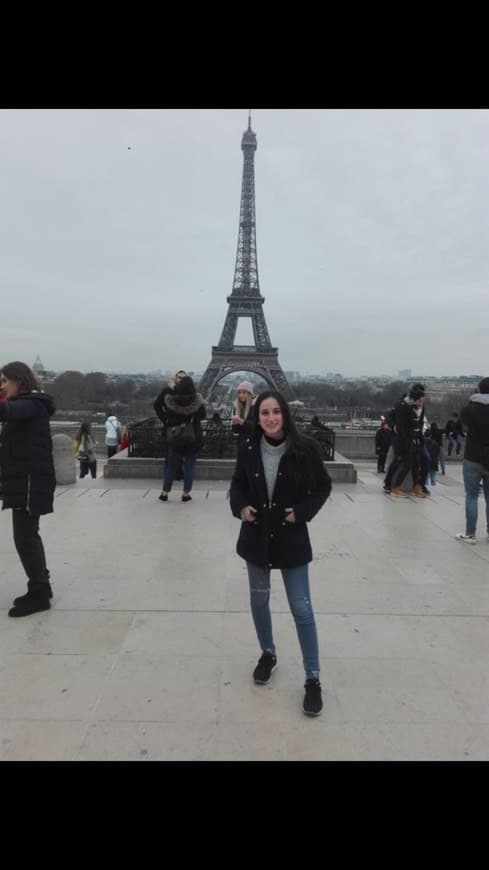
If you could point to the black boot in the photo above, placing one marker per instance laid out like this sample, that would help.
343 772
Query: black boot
36 600
21 598
33 585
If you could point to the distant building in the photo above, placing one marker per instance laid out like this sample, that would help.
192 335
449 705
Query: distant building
405 375
293 377
38 367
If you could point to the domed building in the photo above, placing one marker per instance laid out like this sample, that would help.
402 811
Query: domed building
38 368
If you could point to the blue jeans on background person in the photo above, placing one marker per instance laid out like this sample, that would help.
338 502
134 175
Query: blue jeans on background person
172 462
296 582
441 459
473 473
454 439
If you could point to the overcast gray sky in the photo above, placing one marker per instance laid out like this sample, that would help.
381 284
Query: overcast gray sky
119 228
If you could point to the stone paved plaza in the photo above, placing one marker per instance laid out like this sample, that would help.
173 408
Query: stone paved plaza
149 648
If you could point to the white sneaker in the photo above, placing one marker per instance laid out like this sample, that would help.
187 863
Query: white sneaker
469 539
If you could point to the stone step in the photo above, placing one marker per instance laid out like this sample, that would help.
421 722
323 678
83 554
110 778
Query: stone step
341 470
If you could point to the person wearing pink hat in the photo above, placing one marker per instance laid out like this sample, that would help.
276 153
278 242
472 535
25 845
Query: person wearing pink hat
242 406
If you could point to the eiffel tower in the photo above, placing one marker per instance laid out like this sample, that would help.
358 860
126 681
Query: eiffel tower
245 299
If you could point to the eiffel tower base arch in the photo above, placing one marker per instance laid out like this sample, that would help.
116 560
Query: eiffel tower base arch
262 363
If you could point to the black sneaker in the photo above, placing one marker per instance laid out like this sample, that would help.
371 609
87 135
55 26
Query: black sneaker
386 489
265 668
426 490
313 702
186 498
163 496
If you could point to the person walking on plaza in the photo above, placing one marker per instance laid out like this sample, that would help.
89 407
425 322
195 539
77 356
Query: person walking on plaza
475 417
455 434
409 441
437 436
84 449
27 477
242 407
278 486
113 433
433 451
383 440
184 441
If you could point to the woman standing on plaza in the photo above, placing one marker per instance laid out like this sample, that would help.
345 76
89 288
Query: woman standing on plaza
27 477
84 449
242 408
278 486
184 443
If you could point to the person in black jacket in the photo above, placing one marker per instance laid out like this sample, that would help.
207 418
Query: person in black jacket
383 440
27 477
160 411
409 416
159 403
437 436
475 417
278 486
186 406
454 433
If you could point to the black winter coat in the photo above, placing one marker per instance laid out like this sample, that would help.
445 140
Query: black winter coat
179 409
454 427
383 440
159 403
269 541
26 453
409 428
475 417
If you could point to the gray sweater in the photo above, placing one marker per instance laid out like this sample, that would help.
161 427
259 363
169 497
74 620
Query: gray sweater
271 457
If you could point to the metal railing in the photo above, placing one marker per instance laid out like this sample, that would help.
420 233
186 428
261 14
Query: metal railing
147 439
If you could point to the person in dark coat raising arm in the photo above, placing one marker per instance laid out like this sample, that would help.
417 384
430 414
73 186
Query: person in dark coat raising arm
278 486
28 480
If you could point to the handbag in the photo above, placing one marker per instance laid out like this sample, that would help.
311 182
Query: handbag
182 435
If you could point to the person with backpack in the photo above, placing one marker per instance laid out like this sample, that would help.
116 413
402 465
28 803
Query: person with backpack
184 412
475 417
113 434
84 450
160 410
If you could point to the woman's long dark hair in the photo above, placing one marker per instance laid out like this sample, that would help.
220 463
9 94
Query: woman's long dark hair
23 376
300 446
84 430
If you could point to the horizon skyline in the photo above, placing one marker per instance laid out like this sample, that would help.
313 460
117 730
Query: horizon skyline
169 371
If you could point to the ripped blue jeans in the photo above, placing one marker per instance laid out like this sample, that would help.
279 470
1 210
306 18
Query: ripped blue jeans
296 582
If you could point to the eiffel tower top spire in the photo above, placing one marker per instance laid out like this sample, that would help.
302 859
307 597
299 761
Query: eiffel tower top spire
246 283
249 136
